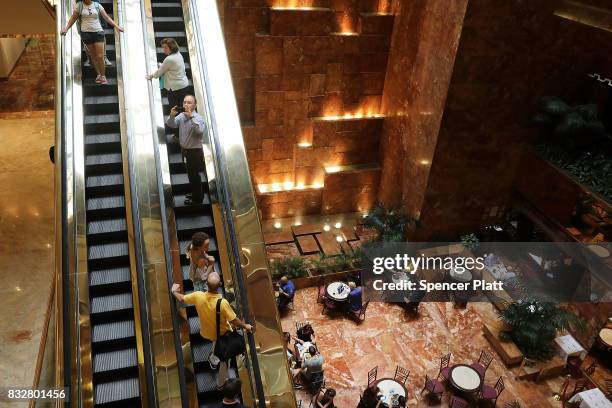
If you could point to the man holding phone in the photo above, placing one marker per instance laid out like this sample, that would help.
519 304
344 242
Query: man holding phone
191 128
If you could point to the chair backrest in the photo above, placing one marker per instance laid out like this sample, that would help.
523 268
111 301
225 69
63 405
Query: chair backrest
363 310
580 385
401 374
372 375
499 386
429 385
590 370
317 381
456 402
608 388
445 361
485 358
563 390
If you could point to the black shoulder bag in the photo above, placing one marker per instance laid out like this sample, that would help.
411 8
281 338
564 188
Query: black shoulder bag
231 344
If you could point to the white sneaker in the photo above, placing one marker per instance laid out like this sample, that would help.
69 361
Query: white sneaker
213 361
107 62
87 63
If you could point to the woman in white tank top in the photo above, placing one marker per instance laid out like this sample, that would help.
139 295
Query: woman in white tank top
88 14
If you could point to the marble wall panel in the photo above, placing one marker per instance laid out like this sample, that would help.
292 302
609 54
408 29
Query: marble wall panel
268 55
370 23
336 181
509 57
301 22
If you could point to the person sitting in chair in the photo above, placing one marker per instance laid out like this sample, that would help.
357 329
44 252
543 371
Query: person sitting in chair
286 291
327 400
312 364
354 297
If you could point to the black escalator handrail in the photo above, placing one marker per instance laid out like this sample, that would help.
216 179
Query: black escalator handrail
225 201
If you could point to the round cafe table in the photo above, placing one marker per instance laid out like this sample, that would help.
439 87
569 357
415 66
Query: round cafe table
337 291
388 388
465 378
605 335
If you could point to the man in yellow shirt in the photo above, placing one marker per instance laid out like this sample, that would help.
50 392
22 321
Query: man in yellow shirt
206 304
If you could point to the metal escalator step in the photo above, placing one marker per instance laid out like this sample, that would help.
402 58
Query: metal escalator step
97 100
91 82
175 158
103 159
194 222
102 138
104 180
181 178
103 203
206 380
108 250
106 226
201 351
114 360
165 24
109 276
111 303
118 390
112 331
97 119
179 36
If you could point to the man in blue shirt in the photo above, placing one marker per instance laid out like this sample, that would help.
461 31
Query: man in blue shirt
286 291
354 297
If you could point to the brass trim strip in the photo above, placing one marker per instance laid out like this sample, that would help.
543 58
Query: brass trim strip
59 196
123 57
43 336
213 84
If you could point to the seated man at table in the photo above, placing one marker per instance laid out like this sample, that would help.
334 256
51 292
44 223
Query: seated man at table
286 291
354 297
312 364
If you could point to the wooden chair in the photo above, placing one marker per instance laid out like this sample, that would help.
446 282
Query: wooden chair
444 367
401 374
492 393
372 374
321 294
359 315
456 402
581 385
608 388
590 370
299 325
483 363
433 387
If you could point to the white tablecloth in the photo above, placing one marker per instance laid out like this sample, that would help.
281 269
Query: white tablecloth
465 377
338 290
389 388
568 346
592 398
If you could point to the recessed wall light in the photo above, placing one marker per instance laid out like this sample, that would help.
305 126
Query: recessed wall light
277 225
326 227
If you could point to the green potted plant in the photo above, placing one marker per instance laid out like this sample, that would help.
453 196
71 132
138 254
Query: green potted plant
575 127
292 267
533 324
390 222
469 241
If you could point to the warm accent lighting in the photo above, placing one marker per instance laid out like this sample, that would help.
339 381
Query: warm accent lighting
424 162
286 186
351 116
297 223
337 225
326 227
277 225
304 144
332 169
339 238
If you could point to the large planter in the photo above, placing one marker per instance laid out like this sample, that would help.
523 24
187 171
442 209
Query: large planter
309 281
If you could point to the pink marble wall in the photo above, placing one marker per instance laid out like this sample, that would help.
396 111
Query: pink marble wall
423 48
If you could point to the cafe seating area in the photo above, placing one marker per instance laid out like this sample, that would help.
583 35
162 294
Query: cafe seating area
440 359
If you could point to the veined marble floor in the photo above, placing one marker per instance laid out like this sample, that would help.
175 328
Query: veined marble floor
26 242
388 337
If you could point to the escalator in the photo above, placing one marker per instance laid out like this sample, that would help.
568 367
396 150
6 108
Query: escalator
114 361
168 22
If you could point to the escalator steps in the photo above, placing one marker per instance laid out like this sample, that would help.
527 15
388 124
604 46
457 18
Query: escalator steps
105 332
117 390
